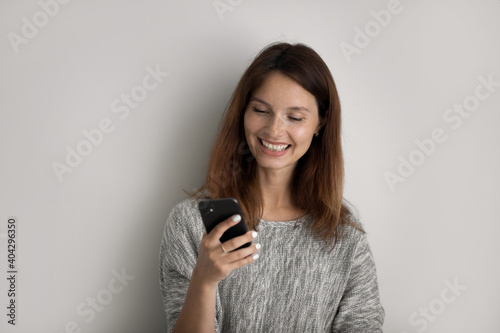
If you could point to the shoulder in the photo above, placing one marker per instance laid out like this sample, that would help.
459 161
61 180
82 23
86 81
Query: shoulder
184 222
187 209
353 241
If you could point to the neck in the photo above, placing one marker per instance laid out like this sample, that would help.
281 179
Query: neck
276 189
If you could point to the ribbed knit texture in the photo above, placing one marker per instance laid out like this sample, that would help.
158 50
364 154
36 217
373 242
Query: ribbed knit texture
296 285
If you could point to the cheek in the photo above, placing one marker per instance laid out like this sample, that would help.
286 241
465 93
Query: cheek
250 123
303 135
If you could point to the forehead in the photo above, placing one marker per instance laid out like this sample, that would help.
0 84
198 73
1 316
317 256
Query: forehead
279 89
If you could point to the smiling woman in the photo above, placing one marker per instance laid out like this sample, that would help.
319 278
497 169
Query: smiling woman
280 121
279 149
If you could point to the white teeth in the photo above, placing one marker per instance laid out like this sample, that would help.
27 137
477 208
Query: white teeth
274 147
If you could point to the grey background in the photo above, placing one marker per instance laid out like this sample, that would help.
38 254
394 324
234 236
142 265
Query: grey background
438 226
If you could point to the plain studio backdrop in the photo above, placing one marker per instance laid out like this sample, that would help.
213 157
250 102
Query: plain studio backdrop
108 110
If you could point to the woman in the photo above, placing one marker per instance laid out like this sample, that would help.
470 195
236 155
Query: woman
310 269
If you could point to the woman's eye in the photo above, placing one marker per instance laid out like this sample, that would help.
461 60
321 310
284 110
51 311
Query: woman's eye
258 111
296 119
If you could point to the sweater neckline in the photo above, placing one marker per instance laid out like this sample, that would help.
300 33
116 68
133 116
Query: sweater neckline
287 223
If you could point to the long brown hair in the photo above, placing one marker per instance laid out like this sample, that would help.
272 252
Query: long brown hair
319 175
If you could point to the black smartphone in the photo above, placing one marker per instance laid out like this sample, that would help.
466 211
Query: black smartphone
215 211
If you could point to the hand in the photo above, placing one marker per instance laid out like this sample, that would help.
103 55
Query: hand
216 261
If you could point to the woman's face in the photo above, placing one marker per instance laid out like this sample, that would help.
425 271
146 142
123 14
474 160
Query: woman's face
280 121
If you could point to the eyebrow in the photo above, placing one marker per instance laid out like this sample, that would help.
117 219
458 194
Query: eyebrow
295 108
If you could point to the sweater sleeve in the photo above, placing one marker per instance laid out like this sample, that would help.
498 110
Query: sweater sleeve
177 259
360 309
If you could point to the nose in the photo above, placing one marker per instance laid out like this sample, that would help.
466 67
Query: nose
276 126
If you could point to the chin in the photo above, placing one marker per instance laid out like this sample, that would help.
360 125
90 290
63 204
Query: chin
274 165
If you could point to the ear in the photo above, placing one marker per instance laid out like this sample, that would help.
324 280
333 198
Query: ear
319 127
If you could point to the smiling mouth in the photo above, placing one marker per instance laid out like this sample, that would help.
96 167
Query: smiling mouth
272 147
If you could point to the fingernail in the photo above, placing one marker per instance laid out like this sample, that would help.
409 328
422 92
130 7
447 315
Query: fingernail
255 257
236 218
254 234
258 246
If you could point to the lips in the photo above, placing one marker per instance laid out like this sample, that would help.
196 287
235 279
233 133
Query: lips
274 147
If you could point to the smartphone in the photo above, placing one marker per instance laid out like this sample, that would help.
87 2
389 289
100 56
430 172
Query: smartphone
215 211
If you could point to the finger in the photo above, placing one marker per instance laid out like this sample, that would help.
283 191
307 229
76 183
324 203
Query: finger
204 236
243 262
236 242
221 228
242 253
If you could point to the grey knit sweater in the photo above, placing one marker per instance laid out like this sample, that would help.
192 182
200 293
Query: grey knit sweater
296 285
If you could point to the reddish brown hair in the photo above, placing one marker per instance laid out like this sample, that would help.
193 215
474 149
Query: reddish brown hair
319 175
